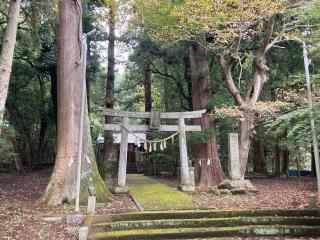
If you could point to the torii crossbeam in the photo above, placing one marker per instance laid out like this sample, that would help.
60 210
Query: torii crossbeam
186 183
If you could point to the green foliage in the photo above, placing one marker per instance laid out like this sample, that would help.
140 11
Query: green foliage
295 126
7 138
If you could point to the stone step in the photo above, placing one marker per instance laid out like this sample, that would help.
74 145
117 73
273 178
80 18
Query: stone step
196 214
205 222
206 232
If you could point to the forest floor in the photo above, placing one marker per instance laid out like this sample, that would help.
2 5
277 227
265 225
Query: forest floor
272 193
19 207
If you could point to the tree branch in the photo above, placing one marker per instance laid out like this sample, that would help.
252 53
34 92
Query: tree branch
226 68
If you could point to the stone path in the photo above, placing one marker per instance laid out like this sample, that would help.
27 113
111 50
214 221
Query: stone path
153 195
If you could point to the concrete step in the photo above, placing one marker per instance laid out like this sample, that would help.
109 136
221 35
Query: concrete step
205 222
197 214
206 232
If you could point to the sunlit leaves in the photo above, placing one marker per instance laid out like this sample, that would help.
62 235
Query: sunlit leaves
223 19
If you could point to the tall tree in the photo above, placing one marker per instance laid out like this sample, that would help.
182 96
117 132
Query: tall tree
62 185
207 162
108 143
7 52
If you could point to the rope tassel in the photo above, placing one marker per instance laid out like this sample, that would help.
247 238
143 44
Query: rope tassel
154 147
165 144
145 147
150 148
161 147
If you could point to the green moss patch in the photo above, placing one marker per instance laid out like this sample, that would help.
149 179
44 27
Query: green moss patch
153 195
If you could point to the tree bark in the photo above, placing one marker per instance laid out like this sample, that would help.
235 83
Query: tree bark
7 52
147 88
208 167
276 160
285 163
62 185
108 140
188 79
313 164
259 159
147 108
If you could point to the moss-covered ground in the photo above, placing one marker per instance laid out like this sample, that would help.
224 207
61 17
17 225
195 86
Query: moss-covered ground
153 195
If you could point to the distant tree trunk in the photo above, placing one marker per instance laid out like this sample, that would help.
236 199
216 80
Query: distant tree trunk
42 142
108 140
285 163
313 164
147 107
276 160
297 157
147 88
208 167
53 80
259 160
188 79
62 185
7 51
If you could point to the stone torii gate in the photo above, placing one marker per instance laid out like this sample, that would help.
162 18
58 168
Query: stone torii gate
186 183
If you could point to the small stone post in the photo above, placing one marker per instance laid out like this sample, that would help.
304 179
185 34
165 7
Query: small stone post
83 233
91 208
312 202
186 185
234 157
122 171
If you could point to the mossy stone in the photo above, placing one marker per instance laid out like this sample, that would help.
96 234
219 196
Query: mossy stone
120 189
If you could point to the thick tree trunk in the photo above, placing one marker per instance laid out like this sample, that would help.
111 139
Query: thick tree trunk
108 140
208 167
259 160
62 185
246 132
7 52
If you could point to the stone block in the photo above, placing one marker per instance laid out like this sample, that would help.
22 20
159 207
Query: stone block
83 233
224 192
91 208
120 189
50 218
187 188
74 218
234 156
